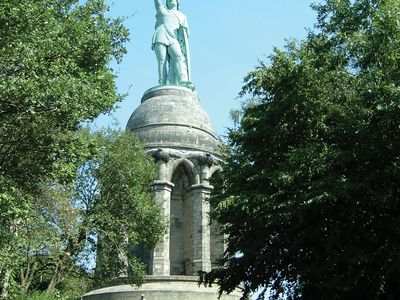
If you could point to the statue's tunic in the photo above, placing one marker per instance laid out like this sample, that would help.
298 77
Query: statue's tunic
167 27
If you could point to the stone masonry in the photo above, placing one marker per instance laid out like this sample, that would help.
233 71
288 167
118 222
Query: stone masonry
177 132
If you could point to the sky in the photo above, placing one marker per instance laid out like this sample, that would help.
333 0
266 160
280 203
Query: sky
227 40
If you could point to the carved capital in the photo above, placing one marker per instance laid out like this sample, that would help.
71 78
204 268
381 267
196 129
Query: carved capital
206 159
161 155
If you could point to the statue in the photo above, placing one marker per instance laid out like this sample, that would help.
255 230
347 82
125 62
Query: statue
170 43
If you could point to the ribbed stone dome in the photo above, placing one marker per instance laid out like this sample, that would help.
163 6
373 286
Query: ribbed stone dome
171 116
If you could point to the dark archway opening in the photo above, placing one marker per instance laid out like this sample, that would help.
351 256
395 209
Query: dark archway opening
181 237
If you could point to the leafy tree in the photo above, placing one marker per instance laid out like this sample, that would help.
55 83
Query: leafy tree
54 58
125 214
312 180
54 74
109 200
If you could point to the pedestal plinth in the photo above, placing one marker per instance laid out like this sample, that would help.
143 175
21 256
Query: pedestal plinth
161 288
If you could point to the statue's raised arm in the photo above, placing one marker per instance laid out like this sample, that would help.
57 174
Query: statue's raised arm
159 6
170 43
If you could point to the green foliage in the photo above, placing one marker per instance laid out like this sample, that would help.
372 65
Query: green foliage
54 75
125 176
39 296
126 215
104 212
54 58
312 178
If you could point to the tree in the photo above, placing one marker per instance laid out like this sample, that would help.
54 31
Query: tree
125 214
312 181
54 75
110 196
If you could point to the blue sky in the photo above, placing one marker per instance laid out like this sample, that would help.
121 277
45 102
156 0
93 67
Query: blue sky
227 39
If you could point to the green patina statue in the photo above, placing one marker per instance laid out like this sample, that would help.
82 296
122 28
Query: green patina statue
170 43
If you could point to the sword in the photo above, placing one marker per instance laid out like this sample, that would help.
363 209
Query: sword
186 41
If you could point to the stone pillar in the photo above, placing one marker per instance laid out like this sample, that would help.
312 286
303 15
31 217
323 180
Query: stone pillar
159 261
201 228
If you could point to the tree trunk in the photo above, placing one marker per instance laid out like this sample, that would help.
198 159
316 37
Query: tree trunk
5 284
58 272
8 272
54 279
61 268
27 277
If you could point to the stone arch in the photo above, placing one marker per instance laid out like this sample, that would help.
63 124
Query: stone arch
183 163
214 170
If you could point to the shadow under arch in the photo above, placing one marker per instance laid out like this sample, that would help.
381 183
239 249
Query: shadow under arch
181 214
183 163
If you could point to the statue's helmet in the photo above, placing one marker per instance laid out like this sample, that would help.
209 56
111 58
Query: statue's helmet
169 4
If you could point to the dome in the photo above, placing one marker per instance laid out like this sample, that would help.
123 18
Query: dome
171 117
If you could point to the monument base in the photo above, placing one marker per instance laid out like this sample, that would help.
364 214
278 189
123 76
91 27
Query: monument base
161 288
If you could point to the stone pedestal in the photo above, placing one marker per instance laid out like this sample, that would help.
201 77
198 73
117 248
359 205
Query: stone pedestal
177 132
175 129
161 288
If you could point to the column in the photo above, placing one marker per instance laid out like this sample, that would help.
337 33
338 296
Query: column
201 228
159 261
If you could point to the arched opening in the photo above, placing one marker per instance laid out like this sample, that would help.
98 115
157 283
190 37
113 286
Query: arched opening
181 239
217 240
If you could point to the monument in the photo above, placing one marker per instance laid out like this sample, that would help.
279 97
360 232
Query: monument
177 132
170 43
